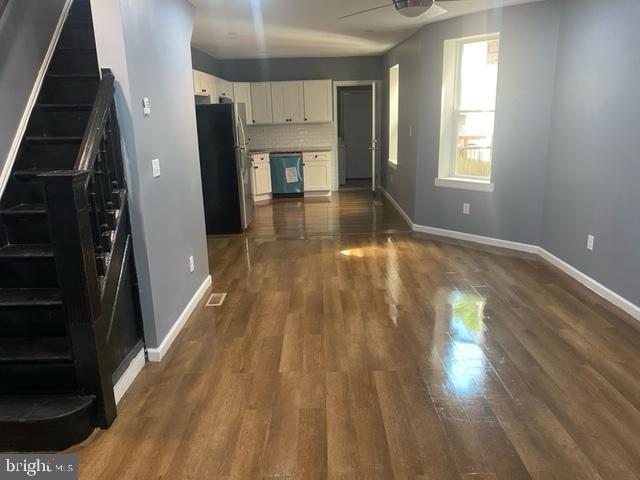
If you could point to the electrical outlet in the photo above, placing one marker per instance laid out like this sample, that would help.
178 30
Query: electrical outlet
192 264
466 208
590 241
155 166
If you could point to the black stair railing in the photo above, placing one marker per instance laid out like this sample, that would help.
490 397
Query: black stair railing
82 208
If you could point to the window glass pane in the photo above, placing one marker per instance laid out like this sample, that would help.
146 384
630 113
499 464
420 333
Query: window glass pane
394 93
479 75
475 129
473 162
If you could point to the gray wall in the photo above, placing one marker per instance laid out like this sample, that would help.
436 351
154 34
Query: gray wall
567 148
205 63
277 69
26 28
147 43
594 168
526 79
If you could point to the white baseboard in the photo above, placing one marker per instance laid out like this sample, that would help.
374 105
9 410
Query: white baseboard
606 293
470 237
406 217
5 172
130 374
156 354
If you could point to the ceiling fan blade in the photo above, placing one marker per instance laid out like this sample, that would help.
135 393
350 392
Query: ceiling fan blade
436 11
365 11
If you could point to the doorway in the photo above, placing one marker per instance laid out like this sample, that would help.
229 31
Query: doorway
355 136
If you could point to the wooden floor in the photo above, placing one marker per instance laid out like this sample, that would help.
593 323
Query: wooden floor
341 213
381 356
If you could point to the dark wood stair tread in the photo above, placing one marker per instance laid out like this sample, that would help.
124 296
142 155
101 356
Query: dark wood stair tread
41 408
75 76
34 350
26 251
25 209
37 297
51 139
64 106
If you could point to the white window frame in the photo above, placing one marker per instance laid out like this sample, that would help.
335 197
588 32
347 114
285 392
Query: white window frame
394 114
449 118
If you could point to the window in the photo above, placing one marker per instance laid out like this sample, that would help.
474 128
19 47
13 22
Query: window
470 78
394 95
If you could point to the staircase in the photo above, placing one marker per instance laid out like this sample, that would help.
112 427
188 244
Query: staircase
61 216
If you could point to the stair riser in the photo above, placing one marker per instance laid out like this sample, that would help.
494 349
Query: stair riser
74 62
37 378
22 192
50 435
77 38
70 123
80 11
27 228
69 90
33 321
28 273
48 156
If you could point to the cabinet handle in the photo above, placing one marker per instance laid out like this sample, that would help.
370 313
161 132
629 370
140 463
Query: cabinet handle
305 119
255 168
253 121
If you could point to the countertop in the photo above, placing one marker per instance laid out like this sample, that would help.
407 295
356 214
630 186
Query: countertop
292 149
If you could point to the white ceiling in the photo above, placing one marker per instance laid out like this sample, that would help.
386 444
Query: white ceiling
308 28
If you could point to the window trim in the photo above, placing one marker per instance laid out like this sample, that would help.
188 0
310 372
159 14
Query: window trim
393 160
450 114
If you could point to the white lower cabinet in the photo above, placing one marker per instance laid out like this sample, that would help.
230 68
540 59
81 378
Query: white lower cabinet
261 177
317 171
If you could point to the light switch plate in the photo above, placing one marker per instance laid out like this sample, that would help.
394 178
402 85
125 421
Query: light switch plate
146 107
466 208
590 242
155 166
192 264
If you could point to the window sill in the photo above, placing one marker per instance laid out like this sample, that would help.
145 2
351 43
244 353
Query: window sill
393 163
464 184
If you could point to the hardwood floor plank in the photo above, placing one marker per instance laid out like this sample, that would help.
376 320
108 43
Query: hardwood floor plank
354 349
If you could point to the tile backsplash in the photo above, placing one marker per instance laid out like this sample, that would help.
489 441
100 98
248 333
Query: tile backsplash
290 136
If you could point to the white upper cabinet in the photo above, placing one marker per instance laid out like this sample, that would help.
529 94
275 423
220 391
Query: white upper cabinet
222 89
242 94
310 101
261 103
288 102
318 101
201 84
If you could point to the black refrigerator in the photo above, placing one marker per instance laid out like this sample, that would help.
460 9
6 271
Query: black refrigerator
225 168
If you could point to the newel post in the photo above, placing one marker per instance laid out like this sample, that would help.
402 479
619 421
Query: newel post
70 228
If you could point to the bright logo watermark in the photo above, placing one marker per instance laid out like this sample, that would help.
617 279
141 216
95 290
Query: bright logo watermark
36 466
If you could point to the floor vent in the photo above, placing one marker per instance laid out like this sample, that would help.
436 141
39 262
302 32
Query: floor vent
216 299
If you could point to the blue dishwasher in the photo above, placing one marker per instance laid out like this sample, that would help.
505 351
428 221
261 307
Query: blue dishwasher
286 173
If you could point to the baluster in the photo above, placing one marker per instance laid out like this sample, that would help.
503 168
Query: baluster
101 205
115 148
69 217
93 213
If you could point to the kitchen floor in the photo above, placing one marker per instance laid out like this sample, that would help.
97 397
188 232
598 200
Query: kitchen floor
338 214
378 356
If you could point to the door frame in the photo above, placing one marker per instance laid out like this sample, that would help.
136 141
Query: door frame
376 110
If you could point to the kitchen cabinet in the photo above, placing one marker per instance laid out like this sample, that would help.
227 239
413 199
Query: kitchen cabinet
222 89
261 177
242 94
201 84
261 103
316 168
287 99
318 101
